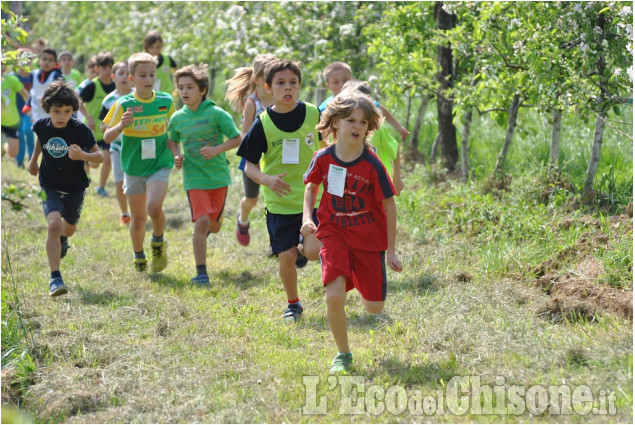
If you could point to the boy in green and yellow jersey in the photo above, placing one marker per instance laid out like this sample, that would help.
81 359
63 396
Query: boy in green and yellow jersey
142 119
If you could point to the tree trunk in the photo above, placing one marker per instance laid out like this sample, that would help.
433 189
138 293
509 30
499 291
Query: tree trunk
408 110
554 150
465 136
447 131
212 78
414 137
594 161
511 125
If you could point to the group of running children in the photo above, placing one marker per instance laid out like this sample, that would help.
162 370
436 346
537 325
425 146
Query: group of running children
324 172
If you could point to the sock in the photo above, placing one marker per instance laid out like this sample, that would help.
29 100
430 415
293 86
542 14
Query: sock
294 303
345 354
140 254
201 269
126 214
243 223
55 274
157 238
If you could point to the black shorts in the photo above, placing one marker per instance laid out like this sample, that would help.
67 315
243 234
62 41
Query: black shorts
68 204
284 230
12 132
103 145
251 187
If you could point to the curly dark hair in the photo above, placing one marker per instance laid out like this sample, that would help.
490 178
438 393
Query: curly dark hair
59 93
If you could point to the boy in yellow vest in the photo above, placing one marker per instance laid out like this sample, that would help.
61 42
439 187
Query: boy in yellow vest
284 136
92 95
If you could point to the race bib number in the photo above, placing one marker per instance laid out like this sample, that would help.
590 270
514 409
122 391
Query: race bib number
291 151
336 180
148 149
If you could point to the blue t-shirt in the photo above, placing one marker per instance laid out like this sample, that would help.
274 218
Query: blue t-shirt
57 170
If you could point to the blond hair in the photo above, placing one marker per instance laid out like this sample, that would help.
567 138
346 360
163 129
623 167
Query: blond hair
335 66
198 73
137 58
343 105
119 65
243 82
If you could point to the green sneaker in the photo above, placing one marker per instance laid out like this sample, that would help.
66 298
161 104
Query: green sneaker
341 363
159 256
140 264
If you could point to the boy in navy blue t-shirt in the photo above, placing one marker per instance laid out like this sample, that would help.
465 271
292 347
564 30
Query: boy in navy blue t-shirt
65 143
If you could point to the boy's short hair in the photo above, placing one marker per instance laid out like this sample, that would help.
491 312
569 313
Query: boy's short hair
278 65
91 62
59 93
116 67
335 66
50 51
137 58
66 53
104 59
151 38
198 73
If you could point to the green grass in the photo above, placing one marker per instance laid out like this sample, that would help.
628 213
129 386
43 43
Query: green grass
129 347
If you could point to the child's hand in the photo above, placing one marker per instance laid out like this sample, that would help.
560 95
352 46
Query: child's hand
279 186
209 152
126 119
33 167
398 185
90 122
404 133
393 261
308 227
75 153
178 162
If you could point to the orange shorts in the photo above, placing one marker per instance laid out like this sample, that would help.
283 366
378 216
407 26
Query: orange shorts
363 270
207 202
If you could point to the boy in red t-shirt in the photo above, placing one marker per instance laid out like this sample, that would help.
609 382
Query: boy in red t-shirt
357 214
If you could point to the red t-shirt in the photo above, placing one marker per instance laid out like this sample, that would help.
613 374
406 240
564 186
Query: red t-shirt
358 217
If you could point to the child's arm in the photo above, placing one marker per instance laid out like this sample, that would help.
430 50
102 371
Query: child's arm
89 120
396 174
249 113
175 148
33 166
209 152
77 154
391 226
393 121
274 182
113 132
24 93
310 195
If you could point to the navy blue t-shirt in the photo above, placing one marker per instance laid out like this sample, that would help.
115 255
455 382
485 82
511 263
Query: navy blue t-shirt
57 170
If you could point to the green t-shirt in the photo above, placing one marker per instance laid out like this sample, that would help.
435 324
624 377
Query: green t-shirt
304 141
11 86
74 78
196 129
144 143
385 146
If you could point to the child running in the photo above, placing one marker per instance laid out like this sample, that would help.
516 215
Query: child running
123 86
70 74
248 81
153 44
200 126
142 119
357 215
11 87
62 140
285 138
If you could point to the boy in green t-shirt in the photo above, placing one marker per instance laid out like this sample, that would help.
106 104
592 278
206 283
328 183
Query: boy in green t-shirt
200 126
285 138
70 74
142 119
11 87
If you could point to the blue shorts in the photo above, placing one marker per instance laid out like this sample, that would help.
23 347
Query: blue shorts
284 230
68 204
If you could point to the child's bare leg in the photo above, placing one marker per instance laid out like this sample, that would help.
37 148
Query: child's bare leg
56 227
12 147
246 205
199 240
121 197
105 169
336 314
156 192
288 273
139 216
373 307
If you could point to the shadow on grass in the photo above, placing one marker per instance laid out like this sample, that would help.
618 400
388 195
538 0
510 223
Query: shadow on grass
104 298
359 320
409 375
241 280
424 284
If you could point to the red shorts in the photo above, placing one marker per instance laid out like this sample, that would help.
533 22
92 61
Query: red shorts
207 202
364 270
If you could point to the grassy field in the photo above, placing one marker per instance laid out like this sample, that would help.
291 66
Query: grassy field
512 282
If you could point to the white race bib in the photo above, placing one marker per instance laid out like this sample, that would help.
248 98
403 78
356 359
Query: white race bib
291 151
148 149
336 180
